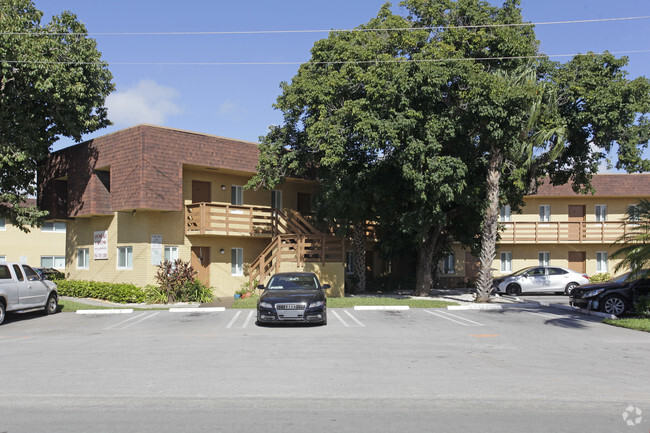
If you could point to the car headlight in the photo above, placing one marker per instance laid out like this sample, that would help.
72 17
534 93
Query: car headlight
316 304
265 305
593 293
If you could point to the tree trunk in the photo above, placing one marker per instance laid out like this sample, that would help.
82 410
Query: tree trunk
426 261
489 230
359 241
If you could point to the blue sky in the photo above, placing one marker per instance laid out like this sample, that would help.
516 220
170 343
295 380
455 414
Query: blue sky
236 101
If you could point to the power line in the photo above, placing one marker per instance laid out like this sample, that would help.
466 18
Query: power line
254 32
360 62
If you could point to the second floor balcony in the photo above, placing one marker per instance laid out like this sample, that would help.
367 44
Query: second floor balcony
563 232
225 219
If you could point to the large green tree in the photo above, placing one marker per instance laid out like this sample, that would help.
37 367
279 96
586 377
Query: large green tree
52 83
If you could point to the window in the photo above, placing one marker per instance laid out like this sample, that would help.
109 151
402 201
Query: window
506 261
349 262
57 262
504 213
448 264
54 227
601 212
601 261
124 257
237 195
3 224
544 213
276 199
237 262
171 253
3 259
544 258
83 258
633 213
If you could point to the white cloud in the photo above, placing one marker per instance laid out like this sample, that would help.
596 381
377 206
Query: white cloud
147 102
230 110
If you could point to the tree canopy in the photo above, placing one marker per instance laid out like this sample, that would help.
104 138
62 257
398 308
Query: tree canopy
52 83
428 130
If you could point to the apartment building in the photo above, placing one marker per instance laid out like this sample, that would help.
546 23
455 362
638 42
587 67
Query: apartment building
558 227
147 193
41 247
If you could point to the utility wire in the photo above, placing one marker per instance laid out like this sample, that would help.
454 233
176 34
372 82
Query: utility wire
253 32
359 62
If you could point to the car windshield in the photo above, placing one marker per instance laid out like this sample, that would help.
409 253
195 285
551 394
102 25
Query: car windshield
624 277
522 271
293 282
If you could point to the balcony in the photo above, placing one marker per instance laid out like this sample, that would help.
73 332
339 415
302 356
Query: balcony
225 219
563 232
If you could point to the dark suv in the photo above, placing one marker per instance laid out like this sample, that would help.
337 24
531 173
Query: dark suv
615 296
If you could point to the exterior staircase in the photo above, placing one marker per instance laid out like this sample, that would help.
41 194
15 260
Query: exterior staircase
295 240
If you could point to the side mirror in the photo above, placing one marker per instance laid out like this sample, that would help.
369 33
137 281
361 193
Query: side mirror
261 286
326 286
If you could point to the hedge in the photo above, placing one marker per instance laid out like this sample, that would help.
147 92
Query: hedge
119 293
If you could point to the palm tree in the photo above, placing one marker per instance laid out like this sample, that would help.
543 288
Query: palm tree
635 252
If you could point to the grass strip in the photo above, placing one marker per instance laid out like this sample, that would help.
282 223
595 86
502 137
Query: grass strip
641 324
359 300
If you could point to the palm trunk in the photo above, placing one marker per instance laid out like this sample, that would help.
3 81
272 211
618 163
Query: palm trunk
489 230
359 241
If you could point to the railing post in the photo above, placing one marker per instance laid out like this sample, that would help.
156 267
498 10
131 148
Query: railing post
202 207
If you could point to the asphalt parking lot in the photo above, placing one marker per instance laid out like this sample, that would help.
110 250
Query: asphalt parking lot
516 369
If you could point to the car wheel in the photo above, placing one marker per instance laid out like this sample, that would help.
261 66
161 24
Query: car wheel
3 312
324 320
52 305
613 305
513 289
569 288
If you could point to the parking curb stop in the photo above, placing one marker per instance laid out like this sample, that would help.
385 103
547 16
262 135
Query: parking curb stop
492 306
197 310
106 311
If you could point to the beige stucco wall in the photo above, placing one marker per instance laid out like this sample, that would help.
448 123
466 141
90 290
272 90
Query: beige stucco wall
616 207
18 246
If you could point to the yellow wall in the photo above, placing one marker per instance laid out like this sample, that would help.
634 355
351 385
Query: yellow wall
616 207
17 246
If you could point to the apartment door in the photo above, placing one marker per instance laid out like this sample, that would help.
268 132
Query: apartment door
472 266
577 261
576 216
201 263
201 191
304 203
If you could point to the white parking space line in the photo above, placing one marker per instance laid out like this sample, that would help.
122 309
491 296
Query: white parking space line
233 320
556 316
340 319
446 317
355 319
125 321
248 319
461 318
141 320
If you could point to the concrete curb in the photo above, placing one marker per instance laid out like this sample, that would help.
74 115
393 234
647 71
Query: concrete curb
382 307
197 310
579 310
108 311
492 306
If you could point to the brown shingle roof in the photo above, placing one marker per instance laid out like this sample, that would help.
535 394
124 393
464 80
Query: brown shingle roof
612 185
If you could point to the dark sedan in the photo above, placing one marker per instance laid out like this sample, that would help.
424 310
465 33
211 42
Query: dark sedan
615 296
293 297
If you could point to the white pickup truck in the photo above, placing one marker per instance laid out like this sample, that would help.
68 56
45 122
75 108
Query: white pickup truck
21 288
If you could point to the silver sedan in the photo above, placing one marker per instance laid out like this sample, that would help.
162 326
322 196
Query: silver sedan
540 279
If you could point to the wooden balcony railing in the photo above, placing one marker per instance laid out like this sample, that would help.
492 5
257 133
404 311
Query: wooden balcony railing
563 232
231 220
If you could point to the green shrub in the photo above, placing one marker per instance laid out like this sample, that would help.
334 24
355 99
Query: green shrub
642 305
196 291
120 293
601 277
